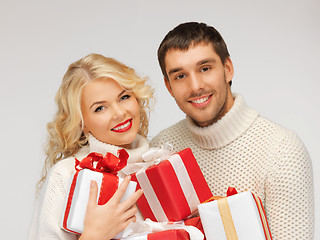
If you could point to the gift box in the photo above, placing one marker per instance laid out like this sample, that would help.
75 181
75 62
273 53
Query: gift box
172 189
141 229
173 234
240 216
101 169
196 222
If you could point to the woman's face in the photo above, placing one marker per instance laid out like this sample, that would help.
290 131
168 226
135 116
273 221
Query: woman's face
110 113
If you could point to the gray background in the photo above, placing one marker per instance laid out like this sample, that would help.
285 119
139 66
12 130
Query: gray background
274 46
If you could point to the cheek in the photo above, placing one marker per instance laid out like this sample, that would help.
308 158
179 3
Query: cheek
134 107
179 90
136 110
216 81
90 124
98 121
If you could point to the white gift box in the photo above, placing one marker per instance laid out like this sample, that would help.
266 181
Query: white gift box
240 216
78 196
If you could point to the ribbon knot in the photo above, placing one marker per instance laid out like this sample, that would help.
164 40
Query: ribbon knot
99 163
156 155
151 157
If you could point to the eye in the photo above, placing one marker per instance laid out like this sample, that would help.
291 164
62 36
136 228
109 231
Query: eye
125 97
98 109
204 69
180 76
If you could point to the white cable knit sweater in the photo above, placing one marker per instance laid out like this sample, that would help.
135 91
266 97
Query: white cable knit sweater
50 203
248 152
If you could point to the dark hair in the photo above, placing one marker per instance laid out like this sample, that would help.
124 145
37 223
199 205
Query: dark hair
191 33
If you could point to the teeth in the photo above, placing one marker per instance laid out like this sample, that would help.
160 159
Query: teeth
122 126
201 100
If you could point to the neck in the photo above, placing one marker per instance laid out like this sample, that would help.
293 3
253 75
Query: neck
225 130
137 148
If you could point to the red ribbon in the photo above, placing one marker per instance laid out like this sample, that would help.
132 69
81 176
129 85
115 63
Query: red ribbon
231 191
108 164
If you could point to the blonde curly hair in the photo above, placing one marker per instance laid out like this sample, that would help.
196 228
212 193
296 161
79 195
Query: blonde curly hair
66 134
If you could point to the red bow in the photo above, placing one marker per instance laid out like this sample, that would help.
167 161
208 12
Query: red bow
109 163
231 191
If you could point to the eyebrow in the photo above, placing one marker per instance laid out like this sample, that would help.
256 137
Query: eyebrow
172 71
101 102
204 61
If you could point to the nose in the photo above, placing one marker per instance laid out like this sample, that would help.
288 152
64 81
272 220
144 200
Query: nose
195 82
118 111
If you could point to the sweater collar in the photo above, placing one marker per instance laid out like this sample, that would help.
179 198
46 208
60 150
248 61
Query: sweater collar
231 126
139 146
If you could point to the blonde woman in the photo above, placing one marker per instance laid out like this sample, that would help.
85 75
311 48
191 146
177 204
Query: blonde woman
102 107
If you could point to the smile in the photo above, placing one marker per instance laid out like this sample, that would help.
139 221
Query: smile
201 102
123 127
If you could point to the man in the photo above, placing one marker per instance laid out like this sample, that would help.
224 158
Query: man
232 143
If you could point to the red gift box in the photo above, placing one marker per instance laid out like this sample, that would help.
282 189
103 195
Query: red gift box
173 234
172 189
196 222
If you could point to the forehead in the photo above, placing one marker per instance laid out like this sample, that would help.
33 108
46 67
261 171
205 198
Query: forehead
100 88
176 58
102 82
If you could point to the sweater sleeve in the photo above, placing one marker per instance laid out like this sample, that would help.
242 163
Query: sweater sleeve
289 191
49 208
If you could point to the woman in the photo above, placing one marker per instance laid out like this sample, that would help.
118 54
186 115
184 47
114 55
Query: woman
102 107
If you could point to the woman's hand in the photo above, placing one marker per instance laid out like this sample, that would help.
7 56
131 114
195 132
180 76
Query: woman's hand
106 221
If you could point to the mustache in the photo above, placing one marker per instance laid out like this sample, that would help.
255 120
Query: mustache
201 93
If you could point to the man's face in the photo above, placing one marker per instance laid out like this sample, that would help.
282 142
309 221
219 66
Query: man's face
199 82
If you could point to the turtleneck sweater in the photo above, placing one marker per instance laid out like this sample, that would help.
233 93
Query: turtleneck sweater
50 203
248 152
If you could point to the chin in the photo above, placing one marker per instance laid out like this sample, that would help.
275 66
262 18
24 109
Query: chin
127 144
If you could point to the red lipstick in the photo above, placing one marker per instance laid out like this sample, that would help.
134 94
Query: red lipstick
123 127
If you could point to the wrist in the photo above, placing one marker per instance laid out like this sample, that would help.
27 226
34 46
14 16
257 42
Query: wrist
85 236
90 236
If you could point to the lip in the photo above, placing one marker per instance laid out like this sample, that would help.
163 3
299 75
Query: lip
201 104
126 128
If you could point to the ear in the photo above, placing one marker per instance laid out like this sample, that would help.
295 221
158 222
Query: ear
85 129
168 85
228 69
